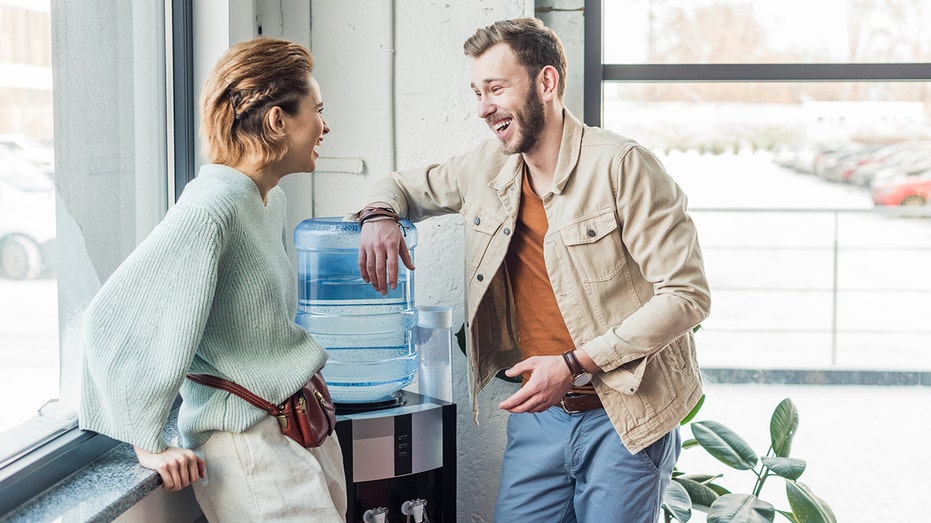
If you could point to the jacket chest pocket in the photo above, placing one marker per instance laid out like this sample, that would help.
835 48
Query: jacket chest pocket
481 227
594 246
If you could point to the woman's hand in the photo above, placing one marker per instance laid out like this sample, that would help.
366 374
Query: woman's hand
177 467
380 244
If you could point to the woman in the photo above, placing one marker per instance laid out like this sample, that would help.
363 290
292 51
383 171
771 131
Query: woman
212 290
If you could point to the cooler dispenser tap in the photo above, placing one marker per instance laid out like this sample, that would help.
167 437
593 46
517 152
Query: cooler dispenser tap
375 515
415 508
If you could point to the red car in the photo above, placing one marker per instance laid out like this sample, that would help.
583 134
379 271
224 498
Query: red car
908 190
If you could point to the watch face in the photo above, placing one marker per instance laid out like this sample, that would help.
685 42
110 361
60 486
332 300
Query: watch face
582 379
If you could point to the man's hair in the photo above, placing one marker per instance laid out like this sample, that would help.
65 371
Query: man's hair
535 45
248 80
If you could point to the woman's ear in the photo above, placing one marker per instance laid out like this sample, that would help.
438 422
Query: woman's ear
274 119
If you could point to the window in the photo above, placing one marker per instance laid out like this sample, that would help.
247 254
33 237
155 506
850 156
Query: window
801 133
86 171
804 188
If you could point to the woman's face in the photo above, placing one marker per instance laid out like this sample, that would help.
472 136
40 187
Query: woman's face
305 132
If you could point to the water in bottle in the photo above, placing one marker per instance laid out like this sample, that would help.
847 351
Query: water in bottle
369 337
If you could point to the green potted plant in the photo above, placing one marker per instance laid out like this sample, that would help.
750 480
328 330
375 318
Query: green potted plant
703 491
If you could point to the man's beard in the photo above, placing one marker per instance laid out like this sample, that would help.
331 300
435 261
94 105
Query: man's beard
530 121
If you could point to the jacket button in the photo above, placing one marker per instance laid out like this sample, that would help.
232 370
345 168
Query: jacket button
477 220
507 231
591 233
479 277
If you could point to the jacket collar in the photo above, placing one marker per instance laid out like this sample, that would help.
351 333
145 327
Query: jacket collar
570 147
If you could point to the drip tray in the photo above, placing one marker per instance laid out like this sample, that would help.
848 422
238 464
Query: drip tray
395 400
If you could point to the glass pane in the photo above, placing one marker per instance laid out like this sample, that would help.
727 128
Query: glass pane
807 198
788 31
63 234
28 287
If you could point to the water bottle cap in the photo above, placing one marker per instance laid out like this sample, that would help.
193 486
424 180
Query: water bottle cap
435 317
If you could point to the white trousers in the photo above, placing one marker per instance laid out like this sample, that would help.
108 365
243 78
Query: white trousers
261 475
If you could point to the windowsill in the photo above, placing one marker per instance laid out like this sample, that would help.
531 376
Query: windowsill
101 491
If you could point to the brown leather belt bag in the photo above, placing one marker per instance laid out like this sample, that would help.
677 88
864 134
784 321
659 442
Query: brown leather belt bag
307 417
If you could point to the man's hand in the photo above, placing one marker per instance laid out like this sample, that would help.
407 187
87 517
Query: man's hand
177 467
549 381
380 244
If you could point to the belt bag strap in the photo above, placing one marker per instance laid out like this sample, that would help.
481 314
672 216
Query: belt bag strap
234 388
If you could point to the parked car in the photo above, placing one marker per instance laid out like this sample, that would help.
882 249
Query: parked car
802 156
906 190
29 149
829 163
868 158
27 217
908 157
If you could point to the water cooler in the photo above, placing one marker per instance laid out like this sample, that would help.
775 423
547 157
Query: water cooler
399 445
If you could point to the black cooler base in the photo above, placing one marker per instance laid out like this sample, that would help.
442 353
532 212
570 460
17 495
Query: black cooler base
400 461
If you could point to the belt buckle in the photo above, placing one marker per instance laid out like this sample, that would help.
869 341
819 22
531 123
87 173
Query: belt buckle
562 403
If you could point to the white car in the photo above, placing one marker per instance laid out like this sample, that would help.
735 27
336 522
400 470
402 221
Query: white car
27 217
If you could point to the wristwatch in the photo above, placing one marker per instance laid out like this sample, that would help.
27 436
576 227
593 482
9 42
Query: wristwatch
579 375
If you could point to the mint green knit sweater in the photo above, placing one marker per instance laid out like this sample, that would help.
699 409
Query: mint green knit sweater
210 290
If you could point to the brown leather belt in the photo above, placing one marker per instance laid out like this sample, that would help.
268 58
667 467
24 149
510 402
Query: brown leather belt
572 403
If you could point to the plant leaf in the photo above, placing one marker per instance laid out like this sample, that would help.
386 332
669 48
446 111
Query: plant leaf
719 490
701 496
677 502
782 427
701 478
789 468
689 443
806 505
724 444
741 508
788 515
688 417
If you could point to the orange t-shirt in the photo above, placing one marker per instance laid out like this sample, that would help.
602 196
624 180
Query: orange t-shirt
543 332
541 328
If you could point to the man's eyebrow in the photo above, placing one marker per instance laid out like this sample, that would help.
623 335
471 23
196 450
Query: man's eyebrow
488 81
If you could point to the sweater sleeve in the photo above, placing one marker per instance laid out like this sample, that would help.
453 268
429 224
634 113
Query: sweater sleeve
142 329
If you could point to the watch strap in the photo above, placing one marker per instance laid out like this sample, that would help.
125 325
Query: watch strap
572 363
575 362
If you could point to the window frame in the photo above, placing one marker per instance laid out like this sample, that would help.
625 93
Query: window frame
38 469
596 72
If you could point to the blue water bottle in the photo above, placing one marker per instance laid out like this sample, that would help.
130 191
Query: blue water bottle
369 337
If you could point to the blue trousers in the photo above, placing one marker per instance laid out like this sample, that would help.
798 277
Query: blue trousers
569 468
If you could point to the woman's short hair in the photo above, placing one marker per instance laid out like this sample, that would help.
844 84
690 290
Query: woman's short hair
249 79
535 45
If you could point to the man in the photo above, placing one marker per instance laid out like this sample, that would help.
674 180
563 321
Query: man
584 276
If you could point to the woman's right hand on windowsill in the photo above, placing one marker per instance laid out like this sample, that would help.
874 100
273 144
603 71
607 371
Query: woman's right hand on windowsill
177 467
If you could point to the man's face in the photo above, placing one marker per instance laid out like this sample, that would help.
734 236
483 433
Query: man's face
507 99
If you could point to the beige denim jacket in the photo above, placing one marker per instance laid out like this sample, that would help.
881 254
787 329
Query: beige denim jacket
621 253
